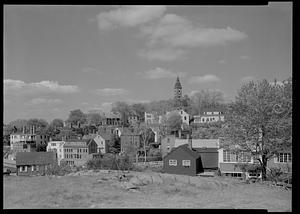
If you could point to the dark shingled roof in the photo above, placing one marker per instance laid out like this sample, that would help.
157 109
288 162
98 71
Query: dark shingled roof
35 158
191 152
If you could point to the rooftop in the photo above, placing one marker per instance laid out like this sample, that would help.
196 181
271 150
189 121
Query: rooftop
35 158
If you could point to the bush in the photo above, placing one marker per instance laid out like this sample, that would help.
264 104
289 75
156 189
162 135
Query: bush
110 161
275 174
61 170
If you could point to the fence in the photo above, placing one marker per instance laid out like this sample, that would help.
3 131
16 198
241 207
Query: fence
154 164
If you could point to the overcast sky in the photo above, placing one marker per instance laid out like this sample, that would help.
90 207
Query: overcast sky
61 58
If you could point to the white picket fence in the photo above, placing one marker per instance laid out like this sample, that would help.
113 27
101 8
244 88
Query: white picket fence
156 164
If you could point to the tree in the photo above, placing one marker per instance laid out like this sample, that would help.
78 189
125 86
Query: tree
123 109
18 124
206 99
260 120
40 125
94 119
57 123
146 135
77 117
174 121
114 145
139 109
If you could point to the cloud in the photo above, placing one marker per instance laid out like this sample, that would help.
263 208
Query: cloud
128 16
176 31
159 73
222 61
111 91
90 70
247 79
41 101
244 57
19 86
204 79
165 54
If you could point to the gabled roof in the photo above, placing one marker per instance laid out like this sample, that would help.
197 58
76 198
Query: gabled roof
77 142
185 148
35 158
128 131
208 143
104 135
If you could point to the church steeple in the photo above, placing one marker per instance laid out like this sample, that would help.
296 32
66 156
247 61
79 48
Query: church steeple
177 90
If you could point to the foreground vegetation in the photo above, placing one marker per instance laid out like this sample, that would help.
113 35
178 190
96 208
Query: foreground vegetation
106 190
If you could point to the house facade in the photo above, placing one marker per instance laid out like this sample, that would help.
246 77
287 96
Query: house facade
183 160
229 160
58 148
130 141
283 160
133 119
78 152
34 163
27 142
209 116
111 119
149 118
102 140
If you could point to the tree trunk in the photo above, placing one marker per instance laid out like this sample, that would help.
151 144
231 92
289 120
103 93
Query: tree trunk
264 168
145 152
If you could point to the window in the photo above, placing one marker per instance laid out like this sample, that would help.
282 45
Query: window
234 174
203 119
33 168
184 117
23 169
186 163
284 158
252 174
226 156
172 162
24 146
244 157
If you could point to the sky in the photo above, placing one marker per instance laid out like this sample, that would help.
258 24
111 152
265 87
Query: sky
61 58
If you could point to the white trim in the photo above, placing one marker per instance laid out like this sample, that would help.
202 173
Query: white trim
186 162
172 162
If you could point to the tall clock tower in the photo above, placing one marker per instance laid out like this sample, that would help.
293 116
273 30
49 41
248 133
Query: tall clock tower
177 91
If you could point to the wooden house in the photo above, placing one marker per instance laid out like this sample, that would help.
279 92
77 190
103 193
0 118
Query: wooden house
34 163
183 160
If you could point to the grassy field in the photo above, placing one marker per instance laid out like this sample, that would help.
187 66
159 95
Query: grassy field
102 191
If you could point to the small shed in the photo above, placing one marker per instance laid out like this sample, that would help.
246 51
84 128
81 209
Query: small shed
209 157
34 163
183 160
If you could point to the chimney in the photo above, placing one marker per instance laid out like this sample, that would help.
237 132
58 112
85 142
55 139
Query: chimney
23 129
33 130
189 141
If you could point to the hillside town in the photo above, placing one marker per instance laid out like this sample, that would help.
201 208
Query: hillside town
148 106
169 139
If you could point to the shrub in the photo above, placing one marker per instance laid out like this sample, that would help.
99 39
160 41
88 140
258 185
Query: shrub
275 174
110 161
61 170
